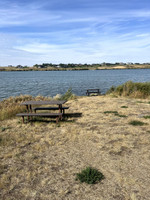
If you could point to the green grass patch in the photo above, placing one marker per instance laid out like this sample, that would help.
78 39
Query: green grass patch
115 113
4 128
121 115
124 106
147 117
140 102
89 175
109 112
136 123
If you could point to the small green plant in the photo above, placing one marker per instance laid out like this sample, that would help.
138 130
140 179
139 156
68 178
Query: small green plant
147 117
140 102
136 123
124 106
4 128
89 175
121 115
108 112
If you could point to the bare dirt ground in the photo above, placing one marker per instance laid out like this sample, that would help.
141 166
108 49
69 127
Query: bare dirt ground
39 160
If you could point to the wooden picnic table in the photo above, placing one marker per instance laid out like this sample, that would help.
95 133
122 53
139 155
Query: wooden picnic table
29 106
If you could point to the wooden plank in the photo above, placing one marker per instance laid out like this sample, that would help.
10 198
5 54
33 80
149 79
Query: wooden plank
62 109
50 108
43 102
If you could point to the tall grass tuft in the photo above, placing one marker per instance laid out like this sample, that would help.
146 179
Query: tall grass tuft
131 89
68 95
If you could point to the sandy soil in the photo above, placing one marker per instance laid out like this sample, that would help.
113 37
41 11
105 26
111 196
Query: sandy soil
39 160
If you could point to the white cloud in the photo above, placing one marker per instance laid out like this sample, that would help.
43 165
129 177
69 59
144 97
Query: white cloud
32 33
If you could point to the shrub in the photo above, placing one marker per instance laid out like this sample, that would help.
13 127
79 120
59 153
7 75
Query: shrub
89 175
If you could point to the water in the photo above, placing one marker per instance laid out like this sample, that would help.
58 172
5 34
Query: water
50 83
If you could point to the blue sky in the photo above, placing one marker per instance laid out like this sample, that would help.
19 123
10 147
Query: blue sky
80 31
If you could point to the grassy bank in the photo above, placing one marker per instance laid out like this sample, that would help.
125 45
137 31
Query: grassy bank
131 89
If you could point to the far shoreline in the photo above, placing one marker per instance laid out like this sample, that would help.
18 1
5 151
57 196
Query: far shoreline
119 67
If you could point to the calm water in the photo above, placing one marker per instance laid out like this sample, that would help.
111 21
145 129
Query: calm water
50 83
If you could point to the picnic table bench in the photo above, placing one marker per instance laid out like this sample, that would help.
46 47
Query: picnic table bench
53 115
93 91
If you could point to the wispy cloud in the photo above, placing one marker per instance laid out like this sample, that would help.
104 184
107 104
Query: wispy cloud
80 31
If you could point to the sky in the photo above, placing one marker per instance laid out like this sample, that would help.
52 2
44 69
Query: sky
74 31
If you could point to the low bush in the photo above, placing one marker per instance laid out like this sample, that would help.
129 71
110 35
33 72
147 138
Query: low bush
89 175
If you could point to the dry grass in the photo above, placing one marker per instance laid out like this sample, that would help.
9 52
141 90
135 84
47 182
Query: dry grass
39 161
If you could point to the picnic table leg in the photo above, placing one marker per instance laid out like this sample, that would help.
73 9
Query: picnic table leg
60 108
27 108
22 119
31 112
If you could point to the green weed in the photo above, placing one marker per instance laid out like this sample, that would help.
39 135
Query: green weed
136 123
121 115
147 117
89 175
108 112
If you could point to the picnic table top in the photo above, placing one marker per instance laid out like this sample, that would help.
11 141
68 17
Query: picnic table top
53 102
